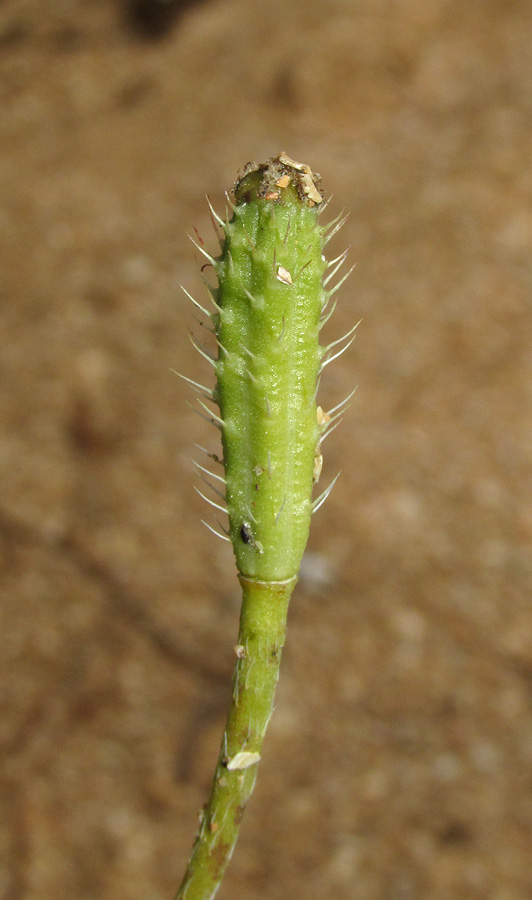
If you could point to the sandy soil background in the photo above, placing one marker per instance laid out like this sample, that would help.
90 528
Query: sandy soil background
399 762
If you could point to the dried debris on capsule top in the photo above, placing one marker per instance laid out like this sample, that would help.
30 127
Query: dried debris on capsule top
274 176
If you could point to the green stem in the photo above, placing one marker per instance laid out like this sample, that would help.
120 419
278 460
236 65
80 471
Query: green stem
260 642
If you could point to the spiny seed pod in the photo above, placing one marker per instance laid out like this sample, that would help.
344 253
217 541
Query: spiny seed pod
271 300
270 303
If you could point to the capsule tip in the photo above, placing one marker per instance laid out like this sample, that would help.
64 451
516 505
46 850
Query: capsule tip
270 179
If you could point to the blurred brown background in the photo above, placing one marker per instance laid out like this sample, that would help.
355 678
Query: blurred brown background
399 761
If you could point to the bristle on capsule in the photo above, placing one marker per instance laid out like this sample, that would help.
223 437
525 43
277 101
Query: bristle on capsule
322 498
200 388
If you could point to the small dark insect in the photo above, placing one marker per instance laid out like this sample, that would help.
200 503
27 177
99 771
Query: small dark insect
245 533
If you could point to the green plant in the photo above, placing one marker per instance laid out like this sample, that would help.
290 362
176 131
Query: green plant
271 301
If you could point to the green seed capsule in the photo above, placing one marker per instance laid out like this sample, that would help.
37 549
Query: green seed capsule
270 299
